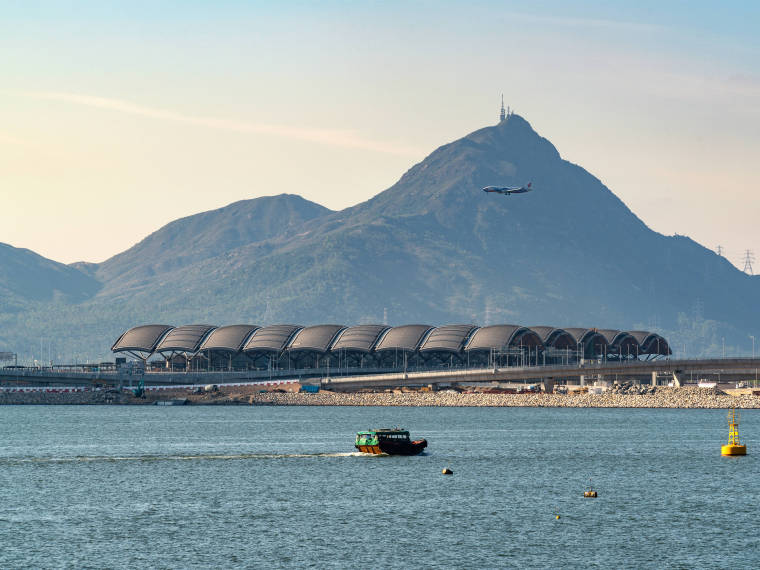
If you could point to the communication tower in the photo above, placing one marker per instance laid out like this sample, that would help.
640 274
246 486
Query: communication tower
503 114
749 257
719 250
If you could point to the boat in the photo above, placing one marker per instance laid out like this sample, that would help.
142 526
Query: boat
388 441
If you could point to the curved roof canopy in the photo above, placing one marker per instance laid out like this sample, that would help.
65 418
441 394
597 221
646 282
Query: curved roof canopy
230 338
316 339
449 338
273 338
620 340
187 338
651 343
587 337
554 337
405 337
360 338
141 339
147 339
501 336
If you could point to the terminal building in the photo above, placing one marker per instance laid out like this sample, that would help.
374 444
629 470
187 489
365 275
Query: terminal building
379 347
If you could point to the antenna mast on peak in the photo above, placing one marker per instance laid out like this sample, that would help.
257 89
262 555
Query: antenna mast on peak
503 114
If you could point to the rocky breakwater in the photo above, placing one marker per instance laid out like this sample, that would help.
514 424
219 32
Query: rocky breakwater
639 397
54 397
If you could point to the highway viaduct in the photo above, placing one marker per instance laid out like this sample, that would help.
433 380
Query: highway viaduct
677 371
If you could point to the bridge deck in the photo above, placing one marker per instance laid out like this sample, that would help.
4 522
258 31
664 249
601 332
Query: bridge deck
357 377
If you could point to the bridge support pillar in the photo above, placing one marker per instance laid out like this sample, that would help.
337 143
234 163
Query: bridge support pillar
583 380
548 385
654 378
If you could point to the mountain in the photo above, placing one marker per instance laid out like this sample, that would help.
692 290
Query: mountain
26 277
195 238
432 248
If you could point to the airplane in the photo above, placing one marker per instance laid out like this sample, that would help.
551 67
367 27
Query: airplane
507 190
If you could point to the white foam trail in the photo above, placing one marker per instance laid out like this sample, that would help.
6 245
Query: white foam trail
235 456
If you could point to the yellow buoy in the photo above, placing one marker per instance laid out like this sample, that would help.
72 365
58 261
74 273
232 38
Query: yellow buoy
734 447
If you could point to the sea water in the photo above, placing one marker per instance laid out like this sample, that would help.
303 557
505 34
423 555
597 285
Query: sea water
270 487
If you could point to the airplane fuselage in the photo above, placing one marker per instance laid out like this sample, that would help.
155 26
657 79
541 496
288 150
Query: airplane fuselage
507 190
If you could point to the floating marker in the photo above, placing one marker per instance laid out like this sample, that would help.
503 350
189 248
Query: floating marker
733 447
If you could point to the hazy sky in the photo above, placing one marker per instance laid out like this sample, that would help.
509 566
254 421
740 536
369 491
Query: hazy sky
117 117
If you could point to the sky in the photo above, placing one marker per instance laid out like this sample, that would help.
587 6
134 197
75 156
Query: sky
119 117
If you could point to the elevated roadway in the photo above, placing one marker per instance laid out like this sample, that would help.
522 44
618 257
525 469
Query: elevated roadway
677 369
348 379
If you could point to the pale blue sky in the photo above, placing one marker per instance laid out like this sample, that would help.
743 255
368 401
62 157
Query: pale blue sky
117 117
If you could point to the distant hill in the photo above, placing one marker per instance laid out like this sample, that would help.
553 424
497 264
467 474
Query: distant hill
195 238
26 277
432 248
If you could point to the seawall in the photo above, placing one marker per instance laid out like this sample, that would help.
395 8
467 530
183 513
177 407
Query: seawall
662 397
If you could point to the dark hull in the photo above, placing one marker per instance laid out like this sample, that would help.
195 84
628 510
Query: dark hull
394 448
402 447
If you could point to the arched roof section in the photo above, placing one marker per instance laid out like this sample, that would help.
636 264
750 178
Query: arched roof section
651 343
621 341
584 335
640 336
552 337
502 336
144 338
593 343
187 338
612 336
273 338
315 339
406 337
449 338
361 338
543 332
229 338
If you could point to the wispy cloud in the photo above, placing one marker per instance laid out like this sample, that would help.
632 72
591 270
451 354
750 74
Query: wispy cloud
598 23
334 137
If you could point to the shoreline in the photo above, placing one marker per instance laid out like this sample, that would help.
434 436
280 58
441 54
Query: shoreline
661 397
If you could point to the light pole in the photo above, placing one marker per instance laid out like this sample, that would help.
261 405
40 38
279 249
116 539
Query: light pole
723 340
753 356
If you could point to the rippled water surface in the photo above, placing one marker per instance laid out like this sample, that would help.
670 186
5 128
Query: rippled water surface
227 487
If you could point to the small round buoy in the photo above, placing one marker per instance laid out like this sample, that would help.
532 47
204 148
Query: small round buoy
447 471
557 517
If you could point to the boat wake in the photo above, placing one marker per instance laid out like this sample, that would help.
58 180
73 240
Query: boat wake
169 457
